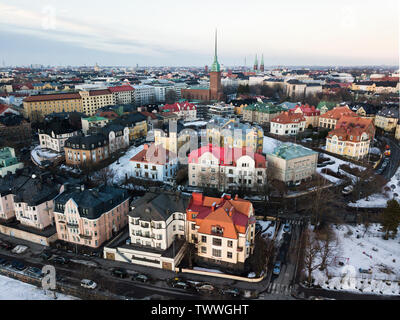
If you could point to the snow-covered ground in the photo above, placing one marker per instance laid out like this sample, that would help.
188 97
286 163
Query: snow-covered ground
11 289
369 252
207 270
39 154
335 167
379 200
124 167
269 144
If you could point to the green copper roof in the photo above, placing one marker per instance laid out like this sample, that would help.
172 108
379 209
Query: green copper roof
289 151
215 66
95 118
329 104
264 107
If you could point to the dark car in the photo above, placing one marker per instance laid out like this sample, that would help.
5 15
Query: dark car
119 273
231 292
3 262
46 255
60 260
35 272
6 245
178 283
141 277
18 265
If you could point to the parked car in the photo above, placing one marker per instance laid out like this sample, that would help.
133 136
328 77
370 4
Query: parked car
60 260
119 273
45 255
88 284
205 288
347 190
286 228
361 270
35 272
18 265
140 277
19 249
330 162
6 245
3 262
232 292
277 268
178 283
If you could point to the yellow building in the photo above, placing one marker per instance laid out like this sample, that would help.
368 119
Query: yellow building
397 135
226 132
387 119
36 107
95 99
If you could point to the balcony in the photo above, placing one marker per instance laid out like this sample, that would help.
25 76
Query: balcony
217 233
72 225
85 236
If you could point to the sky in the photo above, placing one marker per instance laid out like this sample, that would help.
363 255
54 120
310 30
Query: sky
181 32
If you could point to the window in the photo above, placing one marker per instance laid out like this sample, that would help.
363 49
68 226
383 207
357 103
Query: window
203 249
217 242
230 243
203 239
229 255
216 253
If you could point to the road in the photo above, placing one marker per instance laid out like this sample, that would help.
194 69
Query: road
394 156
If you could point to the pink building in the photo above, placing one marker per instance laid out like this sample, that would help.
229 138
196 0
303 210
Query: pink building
91 217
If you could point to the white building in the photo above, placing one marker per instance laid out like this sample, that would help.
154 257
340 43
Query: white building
155 163
144 94
288 123
54 137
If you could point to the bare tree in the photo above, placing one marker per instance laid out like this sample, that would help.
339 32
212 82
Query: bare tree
328 247
312 251
104 176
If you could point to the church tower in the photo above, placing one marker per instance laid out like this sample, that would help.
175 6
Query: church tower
255 64
262 63
215 76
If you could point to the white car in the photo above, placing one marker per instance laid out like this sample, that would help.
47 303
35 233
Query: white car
348 189
88 284
19 249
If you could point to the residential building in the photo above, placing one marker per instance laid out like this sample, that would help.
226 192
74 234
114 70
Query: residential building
137 124
90 217
173 138
89 150
351 137
144 94
232 133
292 163
38 106
324 106
222 230
184 110
261 113
397 133
226 168
221 110
157 232
155 163
52 135
330 118
123 94
310 113
92 100
387 118
93 122
15 128
288 123
8 161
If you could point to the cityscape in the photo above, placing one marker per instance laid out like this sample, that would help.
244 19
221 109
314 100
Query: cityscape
213 174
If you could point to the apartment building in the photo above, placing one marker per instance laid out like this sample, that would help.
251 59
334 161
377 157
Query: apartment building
137 124
225 132
38 106
89 217
52 135
292 163
93 122
351 137
330 118
387 118
222 230
261 113
226 168
8 161
123 94
310 113
155 163
288 123
184 110
173 140
144 94
157 225
81 151
95 99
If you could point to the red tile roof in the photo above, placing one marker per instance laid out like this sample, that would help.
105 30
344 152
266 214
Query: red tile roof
338 112
232 215
308 111
178 106
101 92
228 156
52 97
289 117
154 155
121 89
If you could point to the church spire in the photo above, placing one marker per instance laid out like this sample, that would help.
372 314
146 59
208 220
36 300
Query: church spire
256 64
215 66
262 63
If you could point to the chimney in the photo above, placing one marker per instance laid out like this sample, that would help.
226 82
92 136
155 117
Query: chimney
146 147
213 206
236 197
230 212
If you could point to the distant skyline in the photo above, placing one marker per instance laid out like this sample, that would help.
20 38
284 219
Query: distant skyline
181 33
